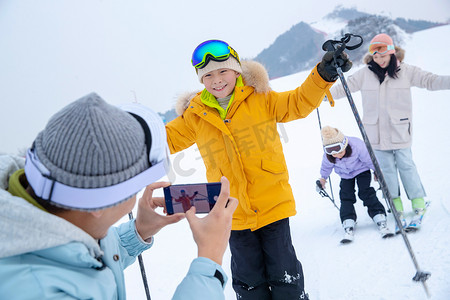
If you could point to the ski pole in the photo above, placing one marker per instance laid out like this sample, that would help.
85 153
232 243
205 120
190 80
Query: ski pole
330 46
387 203
141 265
203 195
323 193
329 182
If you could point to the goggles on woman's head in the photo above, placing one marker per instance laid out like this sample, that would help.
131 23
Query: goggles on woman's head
336 147
212 50
379 47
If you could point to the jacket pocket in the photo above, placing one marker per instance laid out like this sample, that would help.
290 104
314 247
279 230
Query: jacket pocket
401 130
273 166
371 127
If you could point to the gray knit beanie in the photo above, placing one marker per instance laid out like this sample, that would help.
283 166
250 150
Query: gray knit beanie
92 144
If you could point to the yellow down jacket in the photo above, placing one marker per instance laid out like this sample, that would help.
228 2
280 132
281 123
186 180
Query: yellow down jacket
246 147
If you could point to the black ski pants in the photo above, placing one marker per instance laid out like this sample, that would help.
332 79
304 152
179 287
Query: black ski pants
264 265
365 192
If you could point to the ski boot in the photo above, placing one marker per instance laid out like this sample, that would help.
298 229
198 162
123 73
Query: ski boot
402 220
416 220
349 226
419 207
399 208
380 220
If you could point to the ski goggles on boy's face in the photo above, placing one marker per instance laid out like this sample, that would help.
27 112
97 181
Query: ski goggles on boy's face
212 50
380 48
335 148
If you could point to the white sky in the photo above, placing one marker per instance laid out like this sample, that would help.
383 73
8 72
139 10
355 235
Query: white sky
56 51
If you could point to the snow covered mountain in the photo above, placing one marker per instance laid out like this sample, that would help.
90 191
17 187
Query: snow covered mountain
370 268
299 48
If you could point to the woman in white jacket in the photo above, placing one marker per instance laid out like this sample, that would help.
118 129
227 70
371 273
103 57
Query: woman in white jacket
385 84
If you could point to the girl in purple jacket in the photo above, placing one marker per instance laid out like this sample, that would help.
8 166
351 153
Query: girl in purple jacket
349 158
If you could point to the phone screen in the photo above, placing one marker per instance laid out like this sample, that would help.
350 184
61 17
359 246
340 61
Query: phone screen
181 197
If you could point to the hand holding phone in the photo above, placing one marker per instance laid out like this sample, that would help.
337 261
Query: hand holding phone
180 198
148 221
211 233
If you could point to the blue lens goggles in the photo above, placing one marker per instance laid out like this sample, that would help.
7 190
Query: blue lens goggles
212 50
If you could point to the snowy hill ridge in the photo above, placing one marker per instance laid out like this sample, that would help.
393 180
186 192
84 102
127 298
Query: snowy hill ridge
299 48
370 268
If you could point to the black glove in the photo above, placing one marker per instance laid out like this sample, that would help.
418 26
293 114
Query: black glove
327 67
196 192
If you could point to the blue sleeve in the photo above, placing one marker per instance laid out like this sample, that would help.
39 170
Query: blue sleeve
200 282
130 244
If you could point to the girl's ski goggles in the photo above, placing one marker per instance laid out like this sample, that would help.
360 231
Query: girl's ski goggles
335 148
379 47
212 50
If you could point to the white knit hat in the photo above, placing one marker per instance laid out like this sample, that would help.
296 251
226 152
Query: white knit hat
331 136
230 63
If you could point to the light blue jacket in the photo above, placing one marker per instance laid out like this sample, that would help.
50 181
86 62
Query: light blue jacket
43 256
348 167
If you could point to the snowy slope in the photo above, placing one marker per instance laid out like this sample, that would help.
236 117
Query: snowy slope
370 268
329 27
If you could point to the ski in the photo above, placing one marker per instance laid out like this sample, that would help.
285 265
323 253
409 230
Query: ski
416 220
385 235
384 231
414 225
349 234
403 222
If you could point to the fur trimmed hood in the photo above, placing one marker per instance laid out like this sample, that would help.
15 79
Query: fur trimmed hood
399 53
253 74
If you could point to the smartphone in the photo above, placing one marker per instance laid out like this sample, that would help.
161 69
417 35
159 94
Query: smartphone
181 197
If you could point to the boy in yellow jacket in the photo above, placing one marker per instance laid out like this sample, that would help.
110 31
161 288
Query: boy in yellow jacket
233 121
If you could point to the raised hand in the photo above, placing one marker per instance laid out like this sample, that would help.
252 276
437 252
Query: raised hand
327 67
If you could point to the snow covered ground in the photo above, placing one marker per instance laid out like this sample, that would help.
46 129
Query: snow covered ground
370 267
